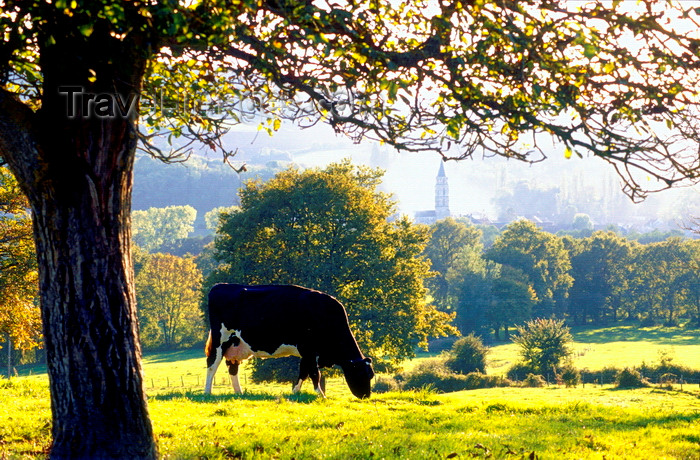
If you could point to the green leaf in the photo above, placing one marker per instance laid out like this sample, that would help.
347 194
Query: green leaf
590 50
86 29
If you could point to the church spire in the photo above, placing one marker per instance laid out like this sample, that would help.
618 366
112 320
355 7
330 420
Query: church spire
442 194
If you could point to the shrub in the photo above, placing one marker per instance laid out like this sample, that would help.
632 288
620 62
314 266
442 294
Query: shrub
603 376
275 370
569 376
385 384
519 371
543 343
534 381
630 378
435 375
475 380
468 354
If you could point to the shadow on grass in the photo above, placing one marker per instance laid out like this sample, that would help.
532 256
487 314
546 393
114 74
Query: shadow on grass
629 333
197 396
155 357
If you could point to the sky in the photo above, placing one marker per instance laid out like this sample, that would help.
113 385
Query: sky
474 183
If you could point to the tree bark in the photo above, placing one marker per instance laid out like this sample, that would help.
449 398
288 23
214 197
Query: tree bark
77 173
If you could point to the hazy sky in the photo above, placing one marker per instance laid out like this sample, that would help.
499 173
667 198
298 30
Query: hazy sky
473 183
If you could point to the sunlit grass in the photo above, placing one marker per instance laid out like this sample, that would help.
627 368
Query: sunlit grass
268 421
617 346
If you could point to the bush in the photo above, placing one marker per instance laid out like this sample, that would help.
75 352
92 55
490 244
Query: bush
519 371
385 384
601 377
543 343
433 374
275 370
630 378
534 381
468 354
476 380
569 376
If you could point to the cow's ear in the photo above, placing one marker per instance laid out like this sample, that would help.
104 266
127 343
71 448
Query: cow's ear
368 360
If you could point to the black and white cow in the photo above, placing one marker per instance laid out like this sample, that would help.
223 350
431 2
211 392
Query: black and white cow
276 321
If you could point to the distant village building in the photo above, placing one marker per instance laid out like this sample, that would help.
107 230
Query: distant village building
442 201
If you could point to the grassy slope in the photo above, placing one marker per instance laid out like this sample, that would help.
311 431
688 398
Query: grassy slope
586 423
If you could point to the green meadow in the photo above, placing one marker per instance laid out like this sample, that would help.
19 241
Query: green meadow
268 421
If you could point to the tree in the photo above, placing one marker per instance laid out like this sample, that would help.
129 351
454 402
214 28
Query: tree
168 294
542 258
512 302
659 278
157 227
470 280
480 74
19 316
447 238
600 269
690 281
328 230
543 344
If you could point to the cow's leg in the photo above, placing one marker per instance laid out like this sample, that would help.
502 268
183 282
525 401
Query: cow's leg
308 367
318 381
214 356
233 374
303 374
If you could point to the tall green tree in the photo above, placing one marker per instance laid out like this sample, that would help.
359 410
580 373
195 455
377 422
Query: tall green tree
689 281
470 279
543 260
601 273
328 230
659 279
157 227
478 74
168 293
512 301
447 239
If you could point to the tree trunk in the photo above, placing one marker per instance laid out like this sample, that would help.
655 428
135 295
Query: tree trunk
77 173
89 316
9 356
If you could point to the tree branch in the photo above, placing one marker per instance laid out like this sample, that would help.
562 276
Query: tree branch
18 140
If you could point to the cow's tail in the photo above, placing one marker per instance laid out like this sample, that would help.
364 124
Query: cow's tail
208 348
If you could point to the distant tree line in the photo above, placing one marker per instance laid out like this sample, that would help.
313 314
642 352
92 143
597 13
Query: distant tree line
528 273
332 229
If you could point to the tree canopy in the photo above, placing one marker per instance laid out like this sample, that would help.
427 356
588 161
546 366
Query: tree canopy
168 291
19 315
156 227
607 78
328 230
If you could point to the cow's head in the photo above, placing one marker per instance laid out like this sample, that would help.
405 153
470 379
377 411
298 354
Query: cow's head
358 374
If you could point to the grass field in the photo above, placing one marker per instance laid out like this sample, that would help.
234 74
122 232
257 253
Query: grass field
595 422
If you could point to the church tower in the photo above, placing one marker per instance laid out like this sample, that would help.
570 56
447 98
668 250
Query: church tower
442 194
